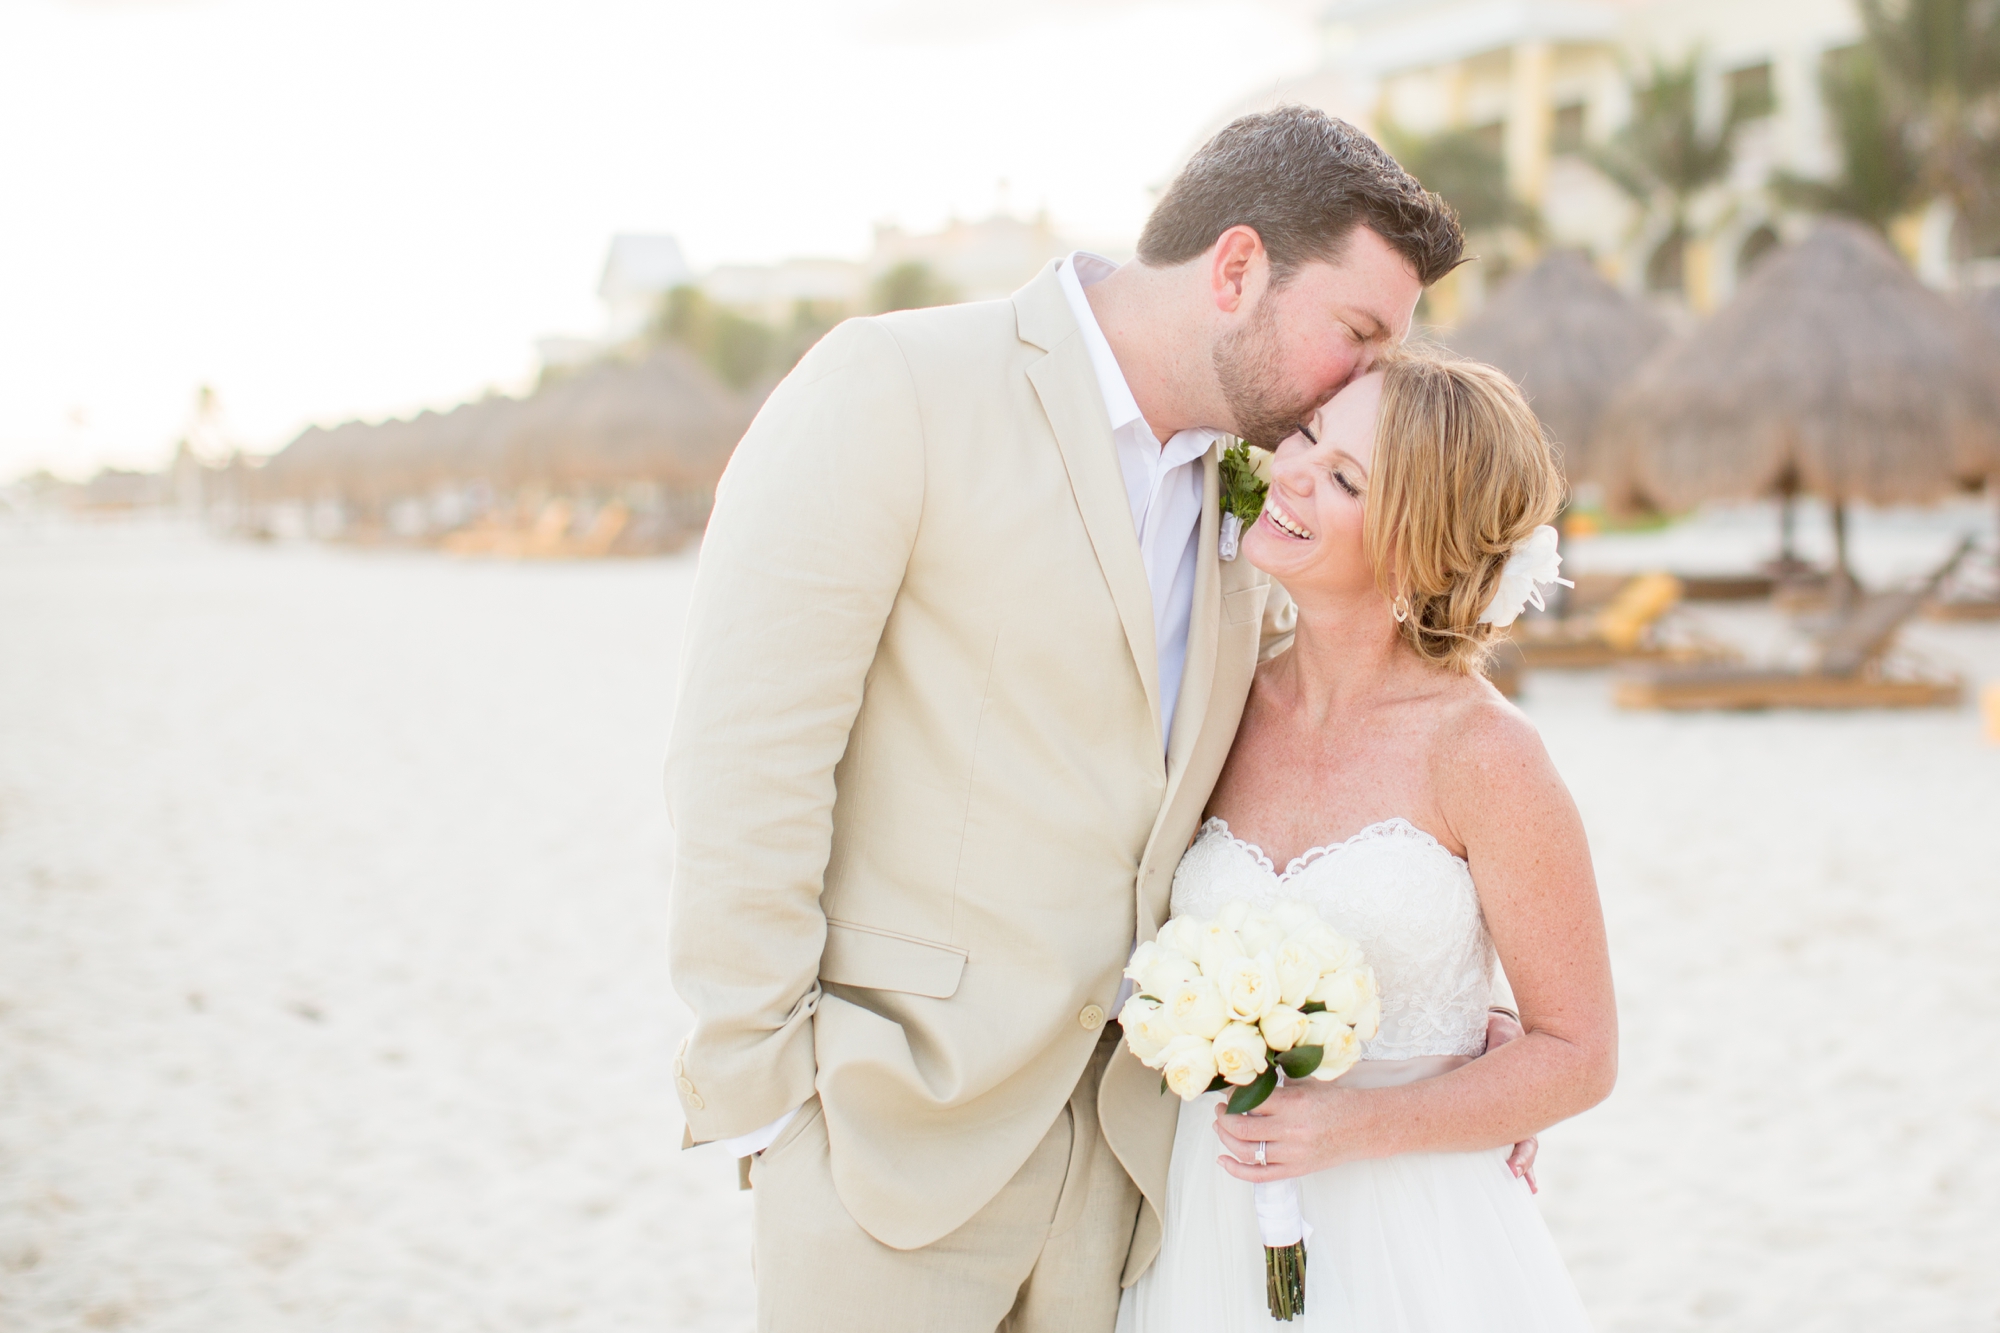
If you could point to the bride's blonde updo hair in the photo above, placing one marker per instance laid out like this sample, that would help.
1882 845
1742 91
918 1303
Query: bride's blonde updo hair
1462 471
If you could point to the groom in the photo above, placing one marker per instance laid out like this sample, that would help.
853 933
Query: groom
961 667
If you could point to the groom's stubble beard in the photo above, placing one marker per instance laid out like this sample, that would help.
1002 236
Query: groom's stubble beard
1247 368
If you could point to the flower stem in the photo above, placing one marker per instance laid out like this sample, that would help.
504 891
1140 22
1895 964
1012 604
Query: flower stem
1285 1280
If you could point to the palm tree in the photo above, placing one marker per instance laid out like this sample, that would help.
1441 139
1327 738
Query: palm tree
740 350
1469 171
912 285
1940 61
1881 176
1664 156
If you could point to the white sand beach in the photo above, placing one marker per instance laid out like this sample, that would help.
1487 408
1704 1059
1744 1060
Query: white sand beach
333 896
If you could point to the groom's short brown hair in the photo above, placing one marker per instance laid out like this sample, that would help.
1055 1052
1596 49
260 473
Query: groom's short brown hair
1303 181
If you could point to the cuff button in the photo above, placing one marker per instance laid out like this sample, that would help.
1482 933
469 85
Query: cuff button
1091 1019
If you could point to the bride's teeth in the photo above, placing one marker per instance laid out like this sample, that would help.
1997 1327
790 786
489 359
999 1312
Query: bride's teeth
1296 529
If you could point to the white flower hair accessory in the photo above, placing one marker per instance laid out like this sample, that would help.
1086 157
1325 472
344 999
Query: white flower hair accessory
1534 564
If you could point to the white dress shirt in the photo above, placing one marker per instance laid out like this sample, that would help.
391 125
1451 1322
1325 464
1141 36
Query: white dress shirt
1163 486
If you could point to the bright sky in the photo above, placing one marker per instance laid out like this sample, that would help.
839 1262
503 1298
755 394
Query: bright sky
359 208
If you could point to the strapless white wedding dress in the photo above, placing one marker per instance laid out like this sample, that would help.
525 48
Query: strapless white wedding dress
1422 1243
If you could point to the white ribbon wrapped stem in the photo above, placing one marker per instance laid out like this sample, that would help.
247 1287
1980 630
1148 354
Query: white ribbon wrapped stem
1279 1220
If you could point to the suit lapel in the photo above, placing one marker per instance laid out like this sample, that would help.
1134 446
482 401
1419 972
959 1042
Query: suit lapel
1067 386
1197 678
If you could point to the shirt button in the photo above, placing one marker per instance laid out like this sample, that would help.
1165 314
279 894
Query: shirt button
1091 1019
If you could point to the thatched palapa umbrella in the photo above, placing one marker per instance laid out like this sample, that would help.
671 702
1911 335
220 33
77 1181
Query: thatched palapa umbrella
1832 372
665 418
1570 340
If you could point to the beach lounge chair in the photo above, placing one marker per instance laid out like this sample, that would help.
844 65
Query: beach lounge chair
1848 671
1973 593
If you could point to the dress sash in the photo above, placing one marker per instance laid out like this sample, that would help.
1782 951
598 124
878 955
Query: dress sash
1395 1073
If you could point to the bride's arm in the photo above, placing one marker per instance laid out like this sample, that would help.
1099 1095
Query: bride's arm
1502 798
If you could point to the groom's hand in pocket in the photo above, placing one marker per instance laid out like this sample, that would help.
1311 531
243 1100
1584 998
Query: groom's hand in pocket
1501 1028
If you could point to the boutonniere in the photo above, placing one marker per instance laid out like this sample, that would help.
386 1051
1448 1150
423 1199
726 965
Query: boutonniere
1246 475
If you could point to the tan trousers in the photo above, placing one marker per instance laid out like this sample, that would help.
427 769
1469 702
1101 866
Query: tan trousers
1043 1257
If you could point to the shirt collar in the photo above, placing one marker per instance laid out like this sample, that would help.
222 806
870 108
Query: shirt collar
1080 270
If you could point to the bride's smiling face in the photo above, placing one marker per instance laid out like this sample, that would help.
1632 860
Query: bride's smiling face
1309 537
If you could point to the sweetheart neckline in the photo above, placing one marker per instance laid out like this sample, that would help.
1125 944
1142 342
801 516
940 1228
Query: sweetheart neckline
1312 855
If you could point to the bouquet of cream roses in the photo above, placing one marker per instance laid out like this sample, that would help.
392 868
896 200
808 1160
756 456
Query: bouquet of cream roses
1233 1003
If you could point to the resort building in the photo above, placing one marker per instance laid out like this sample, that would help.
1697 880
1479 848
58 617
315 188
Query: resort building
638 271
1541 82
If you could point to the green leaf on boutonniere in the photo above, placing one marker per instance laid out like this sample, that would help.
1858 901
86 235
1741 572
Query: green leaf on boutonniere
1242 490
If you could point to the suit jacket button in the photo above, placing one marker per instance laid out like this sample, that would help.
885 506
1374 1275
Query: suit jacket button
1091 1019
685 1085
695 1103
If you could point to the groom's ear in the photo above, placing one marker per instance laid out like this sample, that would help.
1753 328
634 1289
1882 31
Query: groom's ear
1238 267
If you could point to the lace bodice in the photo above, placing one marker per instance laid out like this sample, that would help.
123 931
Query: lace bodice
1400 896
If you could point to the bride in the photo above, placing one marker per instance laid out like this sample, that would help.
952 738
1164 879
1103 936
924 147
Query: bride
1417 811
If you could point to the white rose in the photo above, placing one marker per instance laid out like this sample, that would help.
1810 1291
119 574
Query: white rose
1147 1029
1261 934
1349 995
1195 1008
1298 971
1239 1054
1294 915
1188 1065
1367 1021
1330 945
1183 936
1218 945
1283 1027
1338 1047
1154 968
1321 1028
1260 464
1143 957
1233 914
1249 987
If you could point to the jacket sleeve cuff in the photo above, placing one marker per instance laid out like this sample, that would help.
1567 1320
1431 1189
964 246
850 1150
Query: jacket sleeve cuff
749 1145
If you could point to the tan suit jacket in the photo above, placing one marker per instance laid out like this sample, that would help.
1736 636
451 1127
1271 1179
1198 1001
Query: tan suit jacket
915 777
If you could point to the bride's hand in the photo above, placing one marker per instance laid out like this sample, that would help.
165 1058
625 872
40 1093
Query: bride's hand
1305 1127
1501 1028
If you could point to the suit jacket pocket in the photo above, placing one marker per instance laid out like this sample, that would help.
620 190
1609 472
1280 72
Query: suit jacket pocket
1244 604
875 959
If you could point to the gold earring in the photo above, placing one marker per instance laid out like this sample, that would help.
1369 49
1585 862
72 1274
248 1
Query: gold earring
1400 608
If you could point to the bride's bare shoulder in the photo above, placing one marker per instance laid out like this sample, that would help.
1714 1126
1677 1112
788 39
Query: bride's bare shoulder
1484 743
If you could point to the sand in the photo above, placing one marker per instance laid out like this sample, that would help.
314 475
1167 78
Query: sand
332 992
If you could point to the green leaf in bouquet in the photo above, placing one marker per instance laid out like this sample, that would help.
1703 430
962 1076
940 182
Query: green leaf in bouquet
1312 1007
1216 1084
1251 1095
1301 1060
